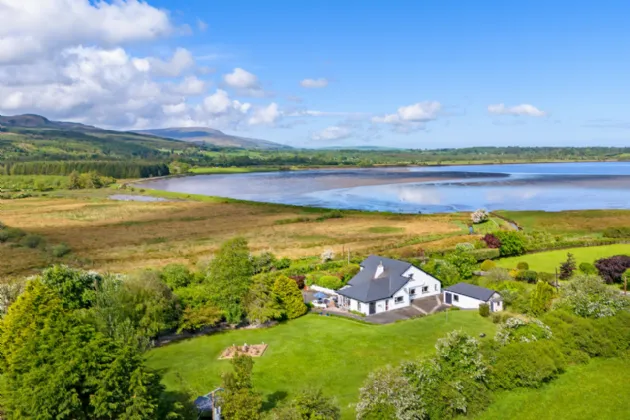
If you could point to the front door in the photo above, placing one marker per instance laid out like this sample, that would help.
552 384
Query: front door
372 308
449 298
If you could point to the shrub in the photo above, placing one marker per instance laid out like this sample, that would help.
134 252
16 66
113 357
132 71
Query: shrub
329 282
522 266
464 246
60 250
14 233
541 298
526 365
484 310
568 267
499 317
31 241
283 263
485 254
492 241
512 243
587 268
546 277
612 268
588 296
498 274
479 216
299 280
529 276
327 255
4 236
617 232
176 276
488 265
347 272
291 297
519 330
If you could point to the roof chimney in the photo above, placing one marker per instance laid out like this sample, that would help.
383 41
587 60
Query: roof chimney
379 270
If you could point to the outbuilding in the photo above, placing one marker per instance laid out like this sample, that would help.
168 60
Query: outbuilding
469 296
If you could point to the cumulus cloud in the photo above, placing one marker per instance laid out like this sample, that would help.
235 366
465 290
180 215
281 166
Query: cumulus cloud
181 61
411 117
244 82
332 133
314 83
268 115
517 110
191 85
32 28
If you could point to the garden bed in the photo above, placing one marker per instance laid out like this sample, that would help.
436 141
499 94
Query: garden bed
253 350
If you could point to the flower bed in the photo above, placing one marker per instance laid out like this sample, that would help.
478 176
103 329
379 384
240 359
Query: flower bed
253 350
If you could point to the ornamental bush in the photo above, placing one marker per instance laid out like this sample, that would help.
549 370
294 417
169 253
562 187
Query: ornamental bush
484 310
330 282
587 268
568 267
529 276
529 365
464 246
485 254
488 265
512 243
291 297
611 269
522 266
491 240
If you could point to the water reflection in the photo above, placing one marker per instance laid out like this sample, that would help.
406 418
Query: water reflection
551 187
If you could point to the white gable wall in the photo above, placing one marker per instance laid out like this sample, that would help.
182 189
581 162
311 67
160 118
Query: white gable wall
466 302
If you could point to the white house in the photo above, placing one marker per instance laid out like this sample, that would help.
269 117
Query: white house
469 296
384 284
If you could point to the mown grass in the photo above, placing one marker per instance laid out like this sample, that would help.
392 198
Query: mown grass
579 222
550 260
598 390
128 235
331 353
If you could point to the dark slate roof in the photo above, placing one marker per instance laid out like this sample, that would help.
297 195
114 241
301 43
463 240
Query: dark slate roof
470 290
365 288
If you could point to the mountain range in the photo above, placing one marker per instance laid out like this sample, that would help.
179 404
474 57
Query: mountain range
213 137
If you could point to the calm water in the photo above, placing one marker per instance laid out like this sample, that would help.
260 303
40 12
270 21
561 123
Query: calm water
551 187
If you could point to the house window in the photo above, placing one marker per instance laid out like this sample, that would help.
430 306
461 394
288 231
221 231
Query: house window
456 298
399 299
359 306
425 289
412 292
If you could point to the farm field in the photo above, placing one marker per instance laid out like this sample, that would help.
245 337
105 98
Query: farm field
581 222
122 236
595 391
336 354
550 260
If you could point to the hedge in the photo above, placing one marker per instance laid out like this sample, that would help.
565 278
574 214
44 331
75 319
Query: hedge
485 254
617 232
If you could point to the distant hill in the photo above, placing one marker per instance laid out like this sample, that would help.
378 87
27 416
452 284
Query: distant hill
33 137
214 137
37 121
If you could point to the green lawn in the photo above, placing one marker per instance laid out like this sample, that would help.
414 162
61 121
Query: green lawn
598 390
550 260
331 353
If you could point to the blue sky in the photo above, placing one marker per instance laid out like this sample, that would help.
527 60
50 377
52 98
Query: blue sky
421 74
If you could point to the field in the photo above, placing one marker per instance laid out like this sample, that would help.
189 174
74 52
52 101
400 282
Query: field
598 390
333 353
580 222
124 236
550 260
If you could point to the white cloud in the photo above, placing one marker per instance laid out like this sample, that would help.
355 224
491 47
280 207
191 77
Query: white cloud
333 133
244 82
31 28
268 115
411 117
190 86
181 61
517 110
314 83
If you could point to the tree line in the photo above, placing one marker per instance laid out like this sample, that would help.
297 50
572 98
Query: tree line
114 169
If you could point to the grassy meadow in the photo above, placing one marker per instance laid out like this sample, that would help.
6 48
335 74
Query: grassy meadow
336 354
122 236
597 390
578 222
550 260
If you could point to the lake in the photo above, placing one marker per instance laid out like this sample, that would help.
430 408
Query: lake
545 186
